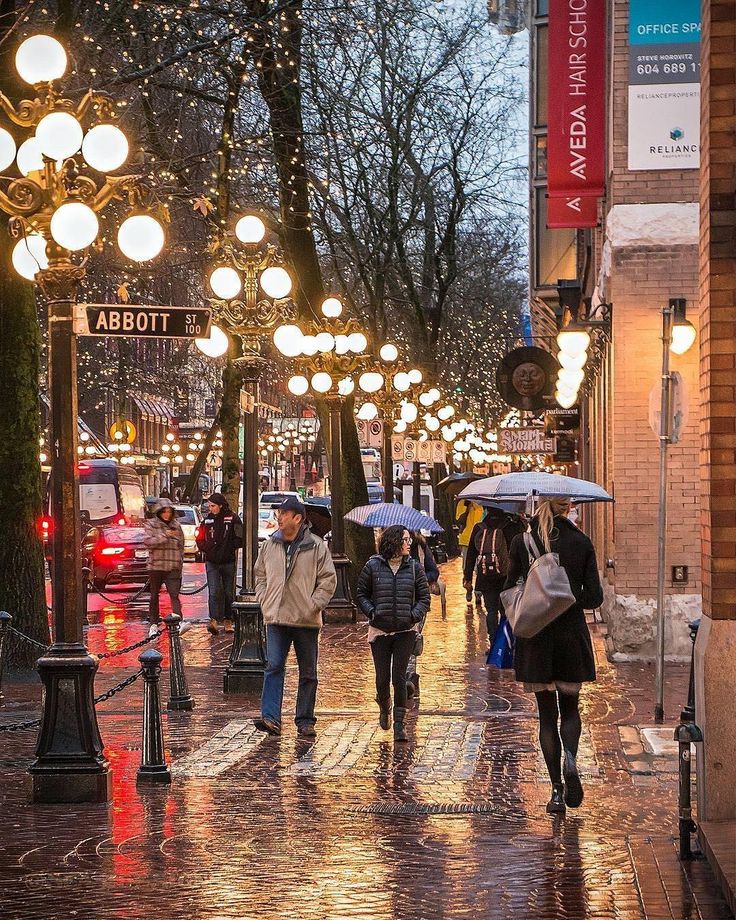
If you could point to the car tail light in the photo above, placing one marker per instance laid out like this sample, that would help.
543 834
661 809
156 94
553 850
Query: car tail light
45 527
120 522
112 550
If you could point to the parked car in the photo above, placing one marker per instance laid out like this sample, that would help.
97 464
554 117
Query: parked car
273 499
267 523
190 518
115 555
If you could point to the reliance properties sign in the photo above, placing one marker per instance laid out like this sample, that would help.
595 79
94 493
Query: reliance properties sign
664 84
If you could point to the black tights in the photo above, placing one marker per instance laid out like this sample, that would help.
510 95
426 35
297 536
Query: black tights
553 705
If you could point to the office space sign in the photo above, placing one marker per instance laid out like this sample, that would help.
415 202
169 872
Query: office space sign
664 84
576 112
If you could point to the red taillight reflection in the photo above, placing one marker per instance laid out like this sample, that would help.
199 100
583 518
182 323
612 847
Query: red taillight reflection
121 522
112 550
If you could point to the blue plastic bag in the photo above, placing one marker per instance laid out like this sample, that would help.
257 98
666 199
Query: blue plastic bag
501 654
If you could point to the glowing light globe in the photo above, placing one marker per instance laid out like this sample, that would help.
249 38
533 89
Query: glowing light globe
415 375
325 342
7 149
572 378
40 59
225 282
357 342
29 256
288 339
74 226
276 282
309 345
105 148
400 426
433 424
401 381
331 307
445 413
298 385
342 344
216 345
321 382
346 386
367 412
573 341
59 135
29 157
566 401
389 352
141 237
409 413
250 229
370 382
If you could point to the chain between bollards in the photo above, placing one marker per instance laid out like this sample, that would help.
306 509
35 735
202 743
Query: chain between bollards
153 768
180 698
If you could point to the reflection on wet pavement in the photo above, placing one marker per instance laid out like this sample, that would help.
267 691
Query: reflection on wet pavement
451 824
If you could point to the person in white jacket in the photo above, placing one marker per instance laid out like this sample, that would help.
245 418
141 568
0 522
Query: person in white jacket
295 580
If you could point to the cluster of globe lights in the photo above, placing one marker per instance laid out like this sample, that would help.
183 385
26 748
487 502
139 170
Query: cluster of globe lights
119 449
469 442
292 342
173 452
58 136
573 343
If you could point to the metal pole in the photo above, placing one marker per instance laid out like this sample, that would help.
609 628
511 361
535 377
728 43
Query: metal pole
250 484
70 765
387 462
665 435
5 621
416 485
336 484
179 698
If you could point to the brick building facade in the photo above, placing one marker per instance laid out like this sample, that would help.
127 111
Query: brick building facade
644 251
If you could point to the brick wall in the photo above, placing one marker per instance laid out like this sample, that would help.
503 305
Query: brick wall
717 302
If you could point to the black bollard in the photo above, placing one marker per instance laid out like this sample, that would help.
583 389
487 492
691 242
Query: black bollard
179 698
153 768
687 733
5 621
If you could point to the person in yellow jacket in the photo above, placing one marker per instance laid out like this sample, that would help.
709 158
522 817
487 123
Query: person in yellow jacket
467 515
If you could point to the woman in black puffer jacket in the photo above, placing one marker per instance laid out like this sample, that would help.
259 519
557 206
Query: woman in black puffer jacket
393 594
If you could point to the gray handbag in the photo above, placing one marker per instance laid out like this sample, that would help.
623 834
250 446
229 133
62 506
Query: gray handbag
535 603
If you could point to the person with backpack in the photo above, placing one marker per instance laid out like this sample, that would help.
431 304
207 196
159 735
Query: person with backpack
488 561
219 538
554 663
393 594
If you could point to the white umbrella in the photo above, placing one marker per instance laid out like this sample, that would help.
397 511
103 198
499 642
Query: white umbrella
519 486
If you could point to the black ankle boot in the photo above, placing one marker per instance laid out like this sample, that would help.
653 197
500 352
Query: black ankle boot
556 804
384 715
573 786
399 730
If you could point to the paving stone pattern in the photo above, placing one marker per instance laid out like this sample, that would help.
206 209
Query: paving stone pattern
451 824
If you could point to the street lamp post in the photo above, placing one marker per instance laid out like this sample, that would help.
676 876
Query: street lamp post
251 295
53 211
331 353
678 334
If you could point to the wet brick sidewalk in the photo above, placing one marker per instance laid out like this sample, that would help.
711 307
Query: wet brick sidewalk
349 826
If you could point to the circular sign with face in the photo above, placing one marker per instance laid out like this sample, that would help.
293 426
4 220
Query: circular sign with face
526 378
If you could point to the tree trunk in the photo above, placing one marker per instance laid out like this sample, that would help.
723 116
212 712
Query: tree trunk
22 584
22 573
230 427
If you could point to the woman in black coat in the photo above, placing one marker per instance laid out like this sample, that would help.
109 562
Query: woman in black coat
393 594
554 663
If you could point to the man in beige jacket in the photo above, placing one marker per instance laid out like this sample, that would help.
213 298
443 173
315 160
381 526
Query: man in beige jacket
295 581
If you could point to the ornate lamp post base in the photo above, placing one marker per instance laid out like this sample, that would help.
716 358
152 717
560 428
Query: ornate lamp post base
70 765
341 608
244 672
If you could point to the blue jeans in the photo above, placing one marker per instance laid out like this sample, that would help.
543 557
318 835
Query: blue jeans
221 588
278 642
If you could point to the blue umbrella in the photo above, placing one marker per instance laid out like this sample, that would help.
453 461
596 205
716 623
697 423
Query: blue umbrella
385 515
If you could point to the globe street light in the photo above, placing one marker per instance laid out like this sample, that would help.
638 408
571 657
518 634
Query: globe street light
328 357
53 212
249 296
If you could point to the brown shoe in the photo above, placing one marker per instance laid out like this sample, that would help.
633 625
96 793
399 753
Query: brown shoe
229 626
213 627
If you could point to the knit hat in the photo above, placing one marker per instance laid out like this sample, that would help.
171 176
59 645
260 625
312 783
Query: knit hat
217 498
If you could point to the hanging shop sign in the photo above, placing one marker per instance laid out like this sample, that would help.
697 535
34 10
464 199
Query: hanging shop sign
564 426
526 378
126 429
576 142
143 320
664 84
525 441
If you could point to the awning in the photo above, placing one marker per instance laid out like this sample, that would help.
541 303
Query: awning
155 410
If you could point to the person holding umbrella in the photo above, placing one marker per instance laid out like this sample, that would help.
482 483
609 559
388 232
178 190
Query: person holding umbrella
394 596
554 663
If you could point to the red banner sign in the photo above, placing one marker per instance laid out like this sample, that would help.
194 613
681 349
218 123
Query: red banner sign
577 113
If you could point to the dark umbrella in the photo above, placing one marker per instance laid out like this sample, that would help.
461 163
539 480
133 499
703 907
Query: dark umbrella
456 482
319 518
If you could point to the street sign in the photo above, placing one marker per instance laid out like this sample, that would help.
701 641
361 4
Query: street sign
143 320
370 434
126 428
